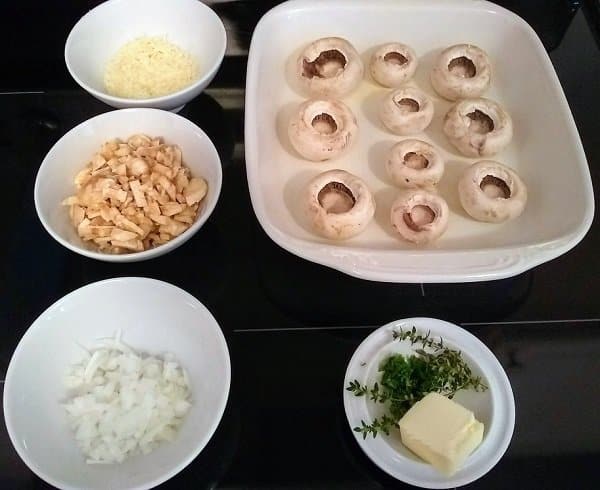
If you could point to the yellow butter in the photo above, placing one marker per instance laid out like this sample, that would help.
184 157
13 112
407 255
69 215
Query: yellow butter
441 432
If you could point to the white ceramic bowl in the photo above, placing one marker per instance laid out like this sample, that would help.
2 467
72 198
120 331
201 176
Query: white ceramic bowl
154 317
70 154
189 24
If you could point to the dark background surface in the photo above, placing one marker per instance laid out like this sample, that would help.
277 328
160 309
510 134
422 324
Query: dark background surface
290 323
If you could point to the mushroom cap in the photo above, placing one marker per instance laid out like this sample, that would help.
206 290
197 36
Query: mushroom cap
337 83
461 130
319 146
404 174
402 211
454 85
339 226
391 70
484 207
398 112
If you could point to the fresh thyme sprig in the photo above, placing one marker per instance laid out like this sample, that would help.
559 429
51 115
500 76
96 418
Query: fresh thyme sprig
407 379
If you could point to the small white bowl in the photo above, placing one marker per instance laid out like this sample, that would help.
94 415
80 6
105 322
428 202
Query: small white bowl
71 153
154 317
495 407
98 35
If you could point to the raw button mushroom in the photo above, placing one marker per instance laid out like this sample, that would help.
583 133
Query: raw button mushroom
330 67
339 204
478 127
322 129
461 71
393 64
419 216
492 192
406 111
415 164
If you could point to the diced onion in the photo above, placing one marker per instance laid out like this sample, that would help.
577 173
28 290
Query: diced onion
125 402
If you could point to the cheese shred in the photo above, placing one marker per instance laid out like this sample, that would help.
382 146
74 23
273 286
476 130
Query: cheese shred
149 67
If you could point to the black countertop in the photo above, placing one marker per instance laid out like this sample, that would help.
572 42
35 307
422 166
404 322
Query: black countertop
290 323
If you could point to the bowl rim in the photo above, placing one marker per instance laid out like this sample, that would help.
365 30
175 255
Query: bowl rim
153 100
146 254
35 325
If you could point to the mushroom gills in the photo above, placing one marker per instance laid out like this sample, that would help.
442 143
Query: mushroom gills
418 217
336 198
327 65
324 123
407 105
462 67
395 58
494 187
415 160
480 122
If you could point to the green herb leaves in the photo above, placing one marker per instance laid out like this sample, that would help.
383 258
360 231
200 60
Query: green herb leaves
405 380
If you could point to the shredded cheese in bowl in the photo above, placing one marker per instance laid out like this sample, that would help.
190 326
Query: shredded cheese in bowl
149 67
124 403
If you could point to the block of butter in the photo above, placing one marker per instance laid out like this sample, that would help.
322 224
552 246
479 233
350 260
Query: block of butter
441 432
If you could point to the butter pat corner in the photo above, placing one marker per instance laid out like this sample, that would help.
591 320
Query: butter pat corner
441 431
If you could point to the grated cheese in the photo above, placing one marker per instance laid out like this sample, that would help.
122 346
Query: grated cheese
149 67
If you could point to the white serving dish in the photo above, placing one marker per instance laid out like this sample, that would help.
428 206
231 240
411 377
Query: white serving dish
71 153
495 407
97 36
546 149
154 317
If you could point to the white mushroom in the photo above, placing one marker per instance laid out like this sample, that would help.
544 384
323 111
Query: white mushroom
322 129
406 111
339 204
393 64
478 127
461 71
419 216
329 67
415 164
492 192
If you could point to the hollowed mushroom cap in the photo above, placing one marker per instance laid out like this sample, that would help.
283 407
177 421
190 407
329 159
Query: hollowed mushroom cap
478 127
461 71
322 129
406 111
419 216
490 191
393 64
339 204
414 163
329 67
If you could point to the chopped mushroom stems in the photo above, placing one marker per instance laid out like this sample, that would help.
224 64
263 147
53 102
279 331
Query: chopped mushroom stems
395 58
128 192
462 67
